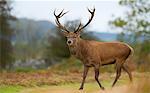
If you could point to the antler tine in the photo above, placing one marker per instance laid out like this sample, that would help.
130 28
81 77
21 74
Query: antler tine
64 13
91 11
90 19
59 15
55 13
92 15
57 19
78 28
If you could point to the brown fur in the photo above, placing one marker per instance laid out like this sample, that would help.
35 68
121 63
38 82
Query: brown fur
100 52
96 54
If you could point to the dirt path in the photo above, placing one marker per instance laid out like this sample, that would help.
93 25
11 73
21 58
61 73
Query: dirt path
73 88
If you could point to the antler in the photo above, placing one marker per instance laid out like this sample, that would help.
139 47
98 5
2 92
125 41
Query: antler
57 20
92 15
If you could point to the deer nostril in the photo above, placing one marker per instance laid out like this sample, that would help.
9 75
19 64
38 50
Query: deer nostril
69 42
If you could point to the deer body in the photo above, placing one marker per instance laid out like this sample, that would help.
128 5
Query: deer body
94 53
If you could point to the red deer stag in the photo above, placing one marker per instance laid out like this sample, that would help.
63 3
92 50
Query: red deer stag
96 54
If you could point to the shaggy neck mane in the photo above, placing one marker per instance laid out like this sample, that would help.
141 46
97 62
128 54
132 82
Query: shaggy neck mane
80 48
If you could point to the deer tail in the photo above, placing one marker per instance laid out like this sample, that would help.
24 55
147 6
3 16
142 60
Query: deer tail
130 54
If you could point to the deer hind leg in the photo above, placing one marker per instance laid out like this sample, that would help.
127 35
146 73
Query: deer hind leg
126 69
96 69
118 73
84 77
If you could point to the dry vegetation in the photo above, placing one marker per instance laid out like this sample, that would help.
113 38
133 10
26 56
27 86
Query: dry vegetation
135 87
35 78
65 82
44 77
67 77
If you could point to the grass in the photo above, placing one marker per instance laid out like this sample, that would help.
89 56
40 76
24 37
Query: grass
21 69
66 88
66 77
70 85
90 86
10 89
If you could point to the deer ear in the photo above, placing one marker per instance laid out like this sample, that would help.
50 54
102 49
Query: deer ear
78 32
65 33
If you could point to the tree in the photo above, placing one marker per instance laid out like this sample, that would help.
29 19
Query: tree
135 22
6 48
135 28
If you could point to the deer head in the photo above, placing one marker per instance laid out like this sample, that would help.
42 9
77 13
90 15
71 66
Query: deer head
72 36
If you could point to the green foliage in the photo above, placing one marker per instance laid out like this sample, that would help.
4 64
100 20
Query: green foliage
136 20
119 22
68 65
145 48
56 48
135 30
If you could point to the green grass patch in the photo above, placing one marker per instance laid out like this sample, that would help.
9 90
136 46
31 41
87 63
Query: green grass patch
10 89
89 87
21 69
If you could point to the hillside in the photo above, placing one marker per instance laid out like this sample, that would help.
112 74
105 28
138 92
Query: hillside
26 29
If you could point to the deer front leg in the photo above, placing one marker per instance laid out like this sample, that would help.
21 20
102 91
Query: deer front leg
96 68
86 68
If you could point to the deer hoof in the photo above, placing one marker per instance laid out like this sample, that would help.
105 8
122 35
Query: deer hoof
81 88
102 88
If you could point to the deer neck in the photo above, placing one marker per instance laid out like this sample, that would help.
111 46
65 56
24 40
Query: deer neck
76 50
